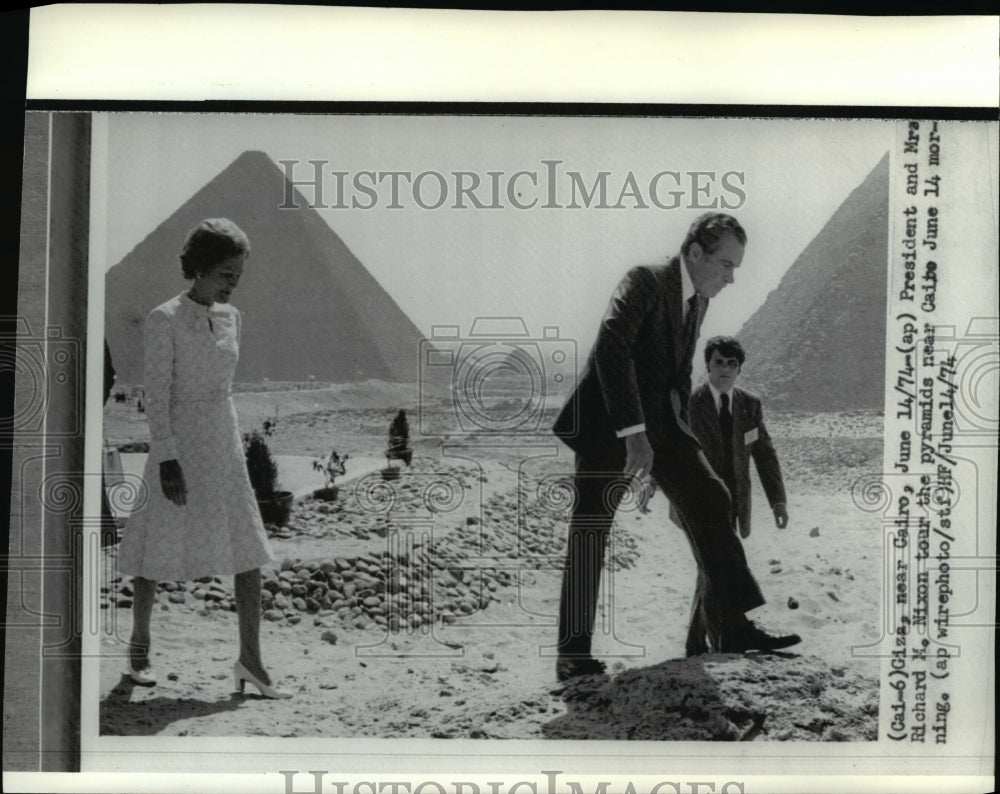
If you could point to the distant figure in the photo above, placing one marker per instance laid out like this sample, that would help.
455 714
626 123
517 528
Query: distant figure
399 440
202 517
109 372
332 468
729 423
109 523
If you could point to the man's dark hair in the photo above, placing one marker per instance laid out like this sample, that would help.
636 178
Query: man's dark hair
709 229
728 347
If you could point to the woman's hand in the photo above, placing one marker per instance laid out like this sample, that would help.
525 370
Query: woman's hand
172 482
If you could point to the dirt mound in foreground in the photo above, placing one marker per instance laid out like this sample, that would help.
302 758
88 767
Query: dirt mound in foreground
726 697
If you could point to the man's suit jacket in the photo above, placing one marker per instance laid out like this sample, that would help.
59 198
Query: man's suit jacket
750 439
638 371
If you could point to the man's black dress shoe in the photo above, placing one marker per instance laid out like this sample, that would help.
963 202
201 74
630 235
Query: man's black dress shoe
568 667
759 640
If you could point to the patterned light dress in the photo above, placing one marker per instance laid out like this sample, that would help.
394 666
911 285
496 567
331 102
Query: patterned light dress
190 356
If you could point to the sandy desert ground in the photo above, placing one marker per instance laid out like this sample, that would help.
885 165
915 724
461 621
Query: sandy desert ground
425 607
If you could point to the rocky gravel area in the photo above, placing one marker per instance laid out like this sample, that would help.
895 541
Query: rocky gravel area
458 569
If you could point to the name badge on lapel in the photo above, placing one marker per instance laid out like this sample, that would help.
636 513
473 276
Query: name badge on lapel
750 436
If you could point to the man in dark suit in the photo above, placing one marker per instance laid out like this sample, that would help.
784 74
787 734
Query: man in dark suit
729 423
627 423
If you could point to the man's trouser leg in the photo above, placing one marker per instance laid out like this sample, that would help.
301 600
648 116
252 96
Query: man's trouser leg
598 490
702 501
700 634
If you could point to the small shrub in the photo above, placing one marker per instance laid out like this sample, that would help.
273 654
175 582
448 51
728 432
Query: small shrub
261 466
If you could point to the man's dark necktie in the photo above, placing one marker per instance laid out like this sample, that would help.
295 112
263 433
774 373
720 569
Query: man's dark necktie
726 426
690 329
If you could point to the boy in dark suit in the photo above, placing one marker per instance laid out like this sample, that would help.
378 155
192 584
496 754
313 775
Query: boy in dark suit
745 436
729 424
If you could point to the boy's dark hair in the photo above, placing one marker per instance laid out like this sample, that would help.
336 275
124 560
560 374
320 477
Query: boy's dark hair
728 347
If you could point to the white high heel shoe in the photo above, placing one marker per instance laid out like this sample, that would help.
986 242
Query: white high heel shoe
143 677
241 675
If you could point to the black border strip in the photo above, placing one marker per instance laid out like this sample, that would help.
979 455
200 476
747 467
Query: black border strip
21 744
940 113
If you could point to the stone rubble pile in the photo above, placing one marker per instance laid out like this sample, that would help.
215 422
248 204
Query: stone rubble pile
414 579
211 591
391 591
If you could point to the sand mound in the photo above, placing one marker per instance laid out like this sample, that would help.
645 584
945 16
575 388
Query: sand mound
728 697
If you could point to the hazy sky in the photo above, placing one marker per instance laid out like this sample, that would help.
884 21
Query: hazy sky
551 266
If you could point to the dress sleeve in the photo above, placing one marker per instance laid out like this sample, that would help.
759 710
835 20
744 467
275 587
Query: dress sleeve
159 373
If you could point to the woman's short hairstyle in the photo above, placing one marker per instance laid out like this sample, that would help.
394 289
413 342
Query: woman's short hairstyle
709 229
210 242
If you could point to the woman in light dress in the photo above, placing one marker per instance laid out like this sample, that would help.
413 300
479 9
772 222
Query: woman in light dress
201 518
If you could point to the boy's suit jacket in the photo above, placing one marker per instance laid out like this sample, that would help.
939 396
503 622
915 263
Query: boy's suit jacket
750 439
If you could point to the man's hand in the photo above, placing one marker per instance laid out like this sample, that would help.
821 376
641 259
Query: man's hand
172 482
638 456
638 467
780 516
645 488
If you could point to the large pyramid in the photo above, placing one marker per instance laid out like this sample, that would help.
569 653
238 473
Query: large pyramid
818 341
310 308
